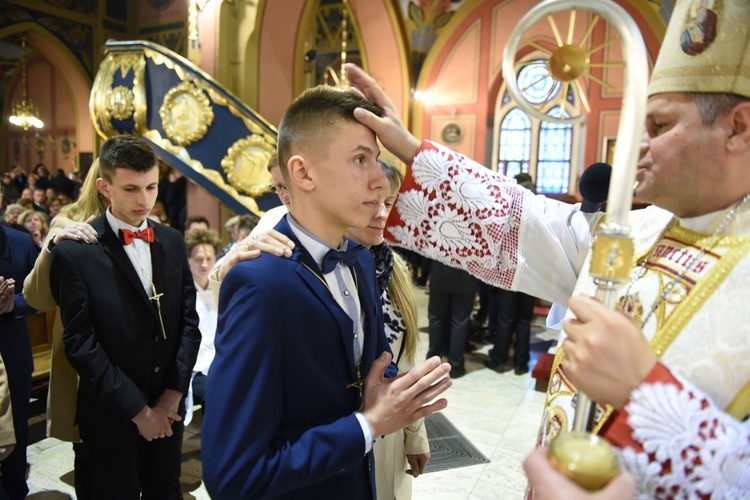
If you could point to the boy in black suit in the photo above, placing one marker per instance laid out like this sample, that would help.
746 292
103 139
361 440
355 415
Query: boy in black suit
131 331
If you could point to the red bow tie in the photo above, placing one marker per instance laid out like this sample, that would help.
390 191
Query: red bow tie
127 236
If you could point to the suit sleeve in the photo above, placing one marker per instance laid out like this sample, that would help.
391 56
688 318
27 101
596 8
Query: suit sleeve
243 454
87 356
190 335
28 254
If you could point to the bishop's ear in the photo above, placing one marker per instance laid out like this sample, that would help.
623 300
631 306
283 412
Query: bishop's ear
740 122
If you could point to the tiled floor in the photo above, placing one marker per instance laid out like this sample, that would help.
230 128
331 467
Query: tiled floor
498 413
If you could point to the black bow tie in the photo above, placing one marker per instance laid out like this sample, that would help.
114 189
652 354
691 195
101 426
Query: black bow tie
348 257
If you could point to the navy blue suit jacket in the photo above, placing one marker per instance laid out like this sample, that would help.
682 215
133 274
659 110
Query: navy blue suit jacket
279 418
16 262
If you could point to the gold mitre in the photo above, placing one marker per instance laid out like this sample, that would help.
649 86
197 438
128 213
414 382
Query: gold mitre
706 49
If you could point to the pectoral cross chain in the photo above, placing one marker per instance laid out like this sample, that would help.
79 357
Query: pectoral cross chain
155 297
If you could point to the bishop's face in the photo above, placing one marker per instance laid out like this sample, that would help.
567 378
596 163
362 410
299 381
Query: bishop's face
683 169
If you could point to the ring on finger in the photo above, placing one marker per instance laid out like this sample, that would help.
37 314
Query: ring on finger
247 246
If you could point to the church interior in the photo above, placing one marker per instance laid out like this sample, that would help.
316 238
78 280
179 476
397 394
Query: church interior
205 82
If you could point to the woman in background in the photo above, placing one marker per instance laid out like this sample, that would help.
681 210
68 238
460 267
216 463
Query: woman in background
35 224
403 454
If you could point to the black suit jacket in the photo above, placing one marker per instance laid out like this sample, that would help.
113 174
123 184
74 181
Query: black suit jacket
112 333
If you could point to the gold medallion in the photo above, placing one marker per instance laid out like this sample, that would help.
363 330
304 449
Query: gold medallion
245 165
186 113
120 102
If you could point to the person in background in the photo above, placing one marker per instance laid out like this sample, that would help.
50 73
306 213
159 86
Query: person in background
39 196
27 194
202 245
35 224
196 222
452 295
516 310
12 193
41 176
17 255
73 223
19 177
12 212
53 207
274 215
404 454
231 226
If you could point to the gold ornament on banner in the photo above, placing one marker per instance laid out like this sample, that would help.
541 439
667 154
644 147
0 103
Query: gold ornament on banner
186 113
245 165
120 102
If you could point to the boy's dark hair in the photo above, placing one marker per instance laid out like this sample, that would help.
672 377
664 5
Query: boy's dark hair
128 152
313 116
197 218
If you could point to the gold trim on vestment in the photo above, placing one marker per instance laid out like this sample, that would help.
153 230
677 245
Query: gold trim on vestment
739 408
736 247
729 251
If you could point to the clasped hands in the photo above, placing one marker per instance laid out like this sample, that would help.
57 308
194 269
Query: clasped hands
156 422
7 295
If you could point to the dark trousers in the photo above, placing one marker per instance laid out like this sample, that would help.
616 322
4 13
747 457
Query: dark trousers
450 316
493 312
516 311
148 467
15 348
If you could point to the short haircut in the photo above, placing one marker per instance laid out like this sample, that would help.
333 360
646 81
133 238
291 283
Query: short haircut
231 223
246 223
712 105
273 161
314 117
196 218
201 237
128 152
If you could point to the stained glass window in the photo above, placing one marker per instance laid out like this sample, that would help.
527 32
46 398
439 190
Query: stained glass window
553 159
526 144
515 143
536 84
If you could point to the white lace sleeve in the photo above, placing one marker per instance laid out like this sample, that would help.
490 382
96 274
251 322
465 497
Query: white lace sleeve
691 449
454 210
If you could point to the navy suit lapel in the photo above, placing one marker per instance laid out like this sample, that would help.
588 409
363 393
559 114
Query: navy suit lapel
114 249
368 305
312 276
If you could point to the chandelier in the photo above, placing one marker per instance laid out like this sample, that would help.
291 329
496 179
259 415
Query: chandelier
24 113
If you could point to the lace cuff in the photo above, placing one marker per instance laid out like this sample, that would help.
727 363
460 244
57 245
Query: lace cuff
680 444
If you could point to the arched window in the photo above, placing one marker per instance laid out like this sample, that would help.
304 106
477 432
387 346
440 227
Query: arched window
515 143
524 144
555 150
